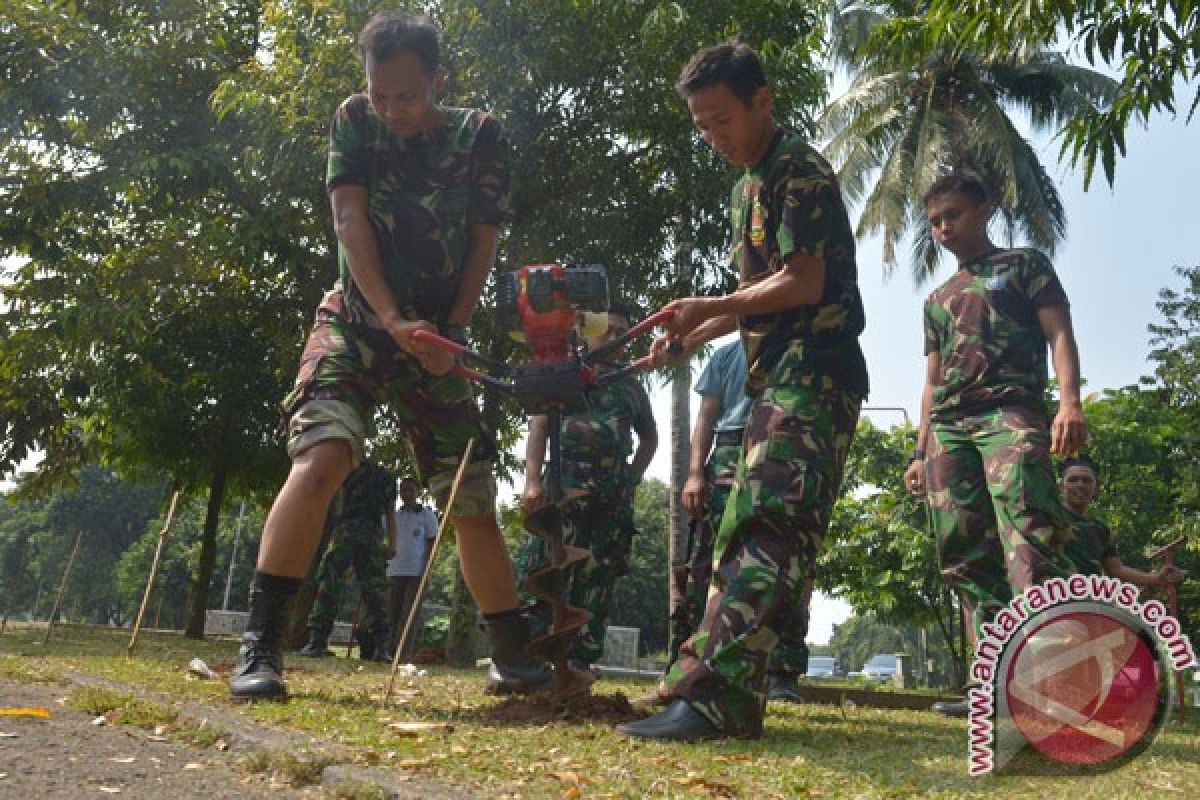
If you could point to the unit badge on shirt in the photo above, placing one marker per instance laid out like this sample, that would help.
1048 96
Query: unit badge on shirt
758 233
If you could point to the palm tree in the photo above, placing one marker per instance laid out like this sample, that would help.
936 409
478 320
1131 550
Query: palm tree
917 108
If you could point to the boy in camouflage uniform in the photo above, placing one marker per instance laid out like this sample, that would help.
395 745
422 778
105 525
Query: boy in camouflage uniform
598 482
984 443
418 192
357 540
1090 548
719 427
800 315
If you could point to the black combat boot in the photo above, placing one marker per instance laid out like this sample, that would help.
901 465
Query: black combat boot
783 686
317 646
513 671
258 674
678 723
383 645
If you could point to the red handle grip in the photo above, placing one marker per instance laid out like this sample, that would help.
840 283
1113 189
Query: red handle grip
440 342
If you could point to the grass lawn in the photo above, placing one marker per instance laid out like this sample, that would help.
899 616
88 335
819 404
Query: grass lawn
493 749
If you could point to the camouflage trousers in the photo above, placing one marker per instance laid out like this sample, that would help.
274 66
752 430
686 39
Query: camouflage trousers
358 544
603 525
347 370
791 654
788 476
994 506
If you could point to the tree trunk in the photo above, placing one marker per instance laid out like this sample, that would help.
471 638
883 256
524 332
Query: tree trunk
681 422
681 427
202 577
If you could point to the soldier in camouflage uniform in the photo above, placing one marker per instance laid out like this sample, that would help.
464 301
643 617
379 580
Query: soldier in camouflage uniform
418 192
598 482
800 314
358 541
1090 548
718 430
984 444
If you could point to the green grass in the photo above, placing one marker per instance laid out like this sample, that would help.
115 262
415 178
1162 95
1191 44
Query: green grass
808 751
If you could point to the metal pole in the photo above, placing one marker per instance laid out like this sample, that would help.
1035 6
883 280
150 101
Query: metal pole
62 586
412 612
237 534
901 409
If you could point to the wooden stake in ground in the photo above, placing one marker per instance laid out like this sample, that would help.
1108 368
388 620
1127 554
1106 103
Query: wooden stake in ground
1167 554
62 586
416 605
162 539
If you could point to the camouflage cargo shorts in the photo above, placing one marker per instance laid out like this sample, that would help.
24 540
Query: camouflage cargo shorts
346 371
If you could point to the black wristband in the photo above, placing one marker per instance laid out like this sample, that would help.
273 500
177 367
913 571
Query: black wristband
455 333
918 455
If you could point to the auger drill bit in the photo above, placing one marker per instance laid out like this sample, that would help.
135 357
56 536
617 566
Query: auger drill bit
552 586
553 583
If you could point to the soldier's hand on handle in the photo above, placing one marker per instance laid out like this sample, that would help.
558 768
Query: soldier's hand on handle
666 351
695 495
1068 432
1171 574
689 313
433 360
914 477
533 498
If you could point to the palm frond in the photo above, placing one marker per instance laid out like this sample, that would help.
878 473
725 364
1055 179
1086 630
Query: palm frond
867 94
887 207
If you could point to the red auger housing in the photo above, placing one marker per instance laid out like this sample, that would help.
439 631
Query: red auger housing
542 302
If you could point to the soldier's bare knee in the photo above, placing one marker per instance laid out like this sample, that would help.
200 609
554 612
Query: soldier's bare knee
322 468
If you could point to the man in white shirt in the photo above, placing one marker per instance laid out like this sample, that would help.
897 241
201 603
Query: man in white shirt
414 530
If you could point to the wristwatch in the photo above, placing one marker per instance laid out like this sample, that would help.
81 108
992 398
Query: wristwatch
917 455
455 333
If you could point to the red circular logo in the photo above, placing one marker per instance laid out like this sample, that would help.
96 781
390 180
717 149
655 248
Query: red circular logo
1083 688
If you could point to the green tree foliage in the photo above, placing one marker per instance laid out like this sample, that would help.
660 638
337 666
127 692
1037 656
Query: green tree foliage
153 318
879 554
109 512
918 106
640 599
1155 46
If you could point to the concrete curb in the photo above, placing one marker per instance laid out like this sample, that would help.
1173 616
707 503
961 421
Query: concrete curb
244 735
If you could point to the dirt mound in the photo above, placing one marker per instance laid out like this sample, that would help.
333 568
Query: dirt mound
538 709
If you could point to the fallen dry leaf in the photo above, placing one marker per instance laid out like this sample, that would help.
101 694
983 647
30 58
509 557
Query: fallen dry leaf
415 728
43 713
569 777
193 765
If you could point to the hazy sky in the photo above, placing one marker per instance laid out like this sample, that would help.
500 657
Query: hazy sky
1121 246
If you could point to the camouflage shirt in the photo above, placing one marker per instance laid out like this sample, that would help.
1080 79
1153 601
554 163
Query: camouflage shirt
983 323
1089 544
423 193
369 491
789 202
597 443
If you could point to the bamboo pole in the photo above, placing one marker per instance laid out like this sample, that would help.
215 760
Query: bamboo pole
162 538
62 586
416 604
